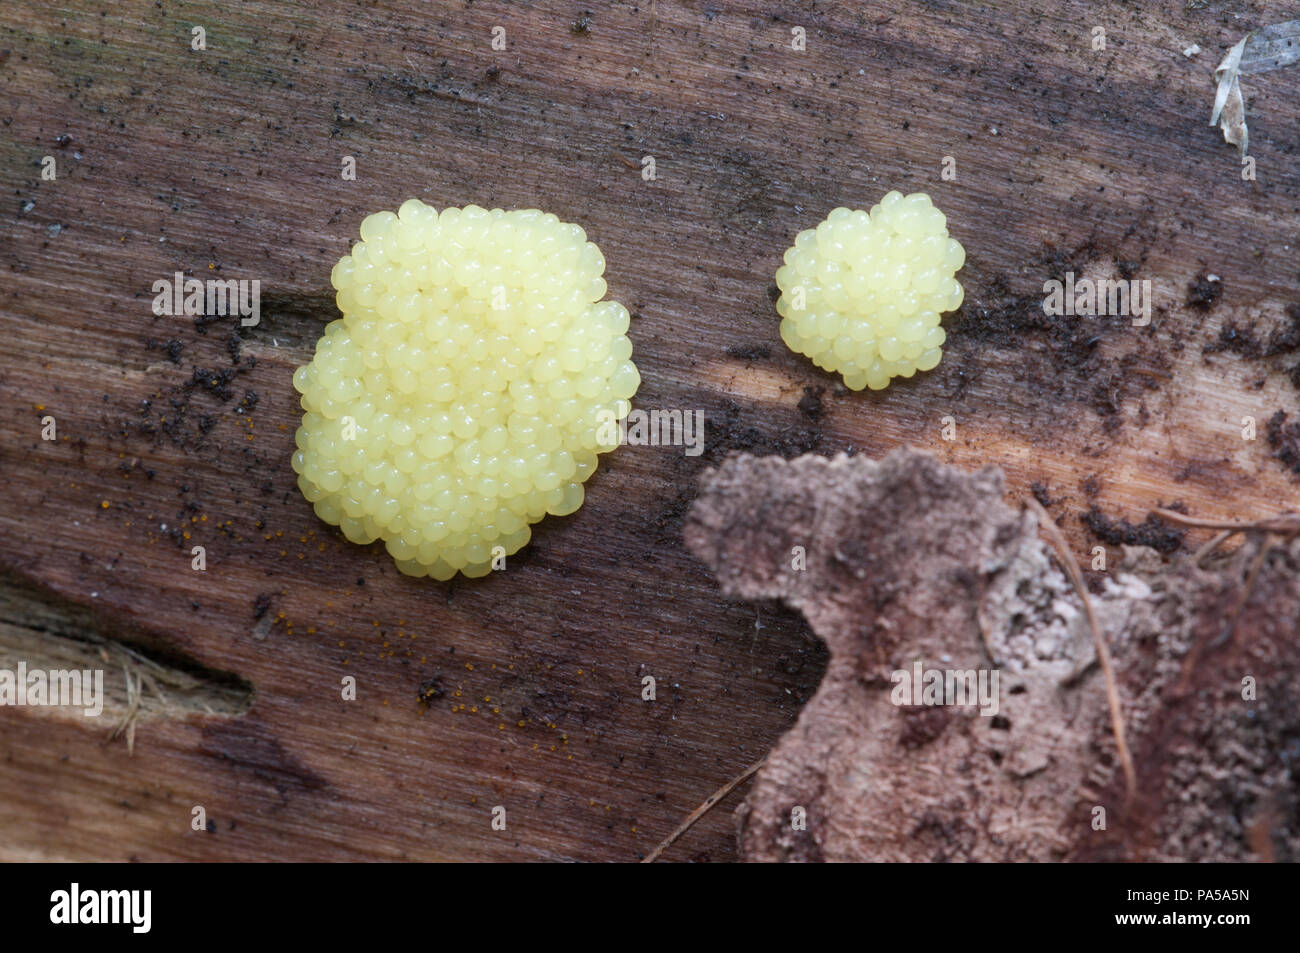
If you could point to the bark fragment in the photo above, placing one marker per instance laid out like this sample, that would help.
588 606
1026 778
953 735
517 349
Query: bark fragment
910 560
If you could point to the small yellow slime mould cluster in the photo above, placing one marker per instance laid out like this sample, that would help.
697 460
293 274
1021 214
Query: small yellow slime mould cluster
459 398
861 293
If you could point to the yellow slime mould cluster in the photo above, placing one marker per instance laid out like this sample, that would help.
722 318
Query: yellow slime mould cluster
861 293
458 400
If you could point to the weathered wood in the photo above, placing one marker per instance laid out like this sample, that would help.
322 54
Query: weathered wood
227 163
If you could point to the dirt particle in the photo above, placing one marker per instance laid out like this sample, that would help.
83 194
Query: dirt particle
725 435
1286 338
172 348
430 690
1204 292
811 402
1234 339
1250 342
1284 440
1153 532
749 352
1040 494
261 604
216 383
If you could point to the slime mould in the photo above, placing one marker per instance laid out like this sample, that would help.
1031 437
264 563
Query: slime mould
465 392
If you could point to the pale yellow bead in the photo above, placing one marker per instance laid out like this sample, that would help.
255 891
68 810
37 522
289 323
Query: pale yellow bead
458 399
862 293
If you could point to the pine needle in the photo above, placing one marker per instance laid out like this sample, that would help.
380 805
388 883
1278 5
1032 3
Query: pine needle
1071 565
703 809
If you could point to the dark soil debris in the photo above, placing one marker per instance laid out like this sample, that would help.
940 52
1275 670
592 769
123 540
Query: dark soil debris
1253 343
1153 532
1234 339
261 604
173 348
429 690
1039 490
749 352
1056 357
1284 439
1204 292
1285 339
726 436
216 383
811 402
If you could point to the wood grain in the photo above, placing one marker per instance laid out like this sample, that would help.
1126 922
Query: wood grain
226 162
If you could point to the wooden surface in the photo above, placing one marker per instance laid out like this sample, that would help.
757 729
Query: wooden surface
227 163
